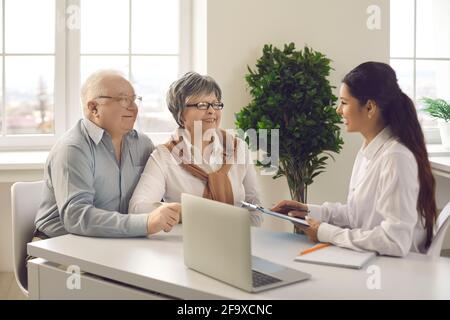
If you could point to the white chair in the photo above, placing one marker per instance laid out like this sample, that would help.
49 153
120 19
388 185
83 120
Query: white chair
25 201
442 224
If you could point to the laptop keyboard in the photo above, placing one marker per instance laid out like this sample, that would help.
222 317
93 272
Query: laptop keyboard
261 279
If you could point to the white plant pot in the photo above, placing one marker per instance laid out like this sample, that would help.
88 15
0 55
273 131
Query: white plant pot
444 129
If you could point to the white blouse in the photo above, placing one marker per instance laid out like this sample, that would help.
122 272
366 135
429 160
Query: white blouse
164 178
380 214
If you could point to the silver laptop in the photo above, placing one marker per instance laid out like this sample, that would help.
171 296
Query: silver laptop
216 239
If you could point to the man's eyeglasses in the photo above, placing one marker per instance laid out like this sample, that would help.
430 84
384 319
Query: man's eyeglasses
125 101
206 105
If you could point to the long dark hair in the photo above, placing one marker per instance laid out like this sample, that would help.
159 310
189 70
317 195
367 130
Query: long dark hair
377 81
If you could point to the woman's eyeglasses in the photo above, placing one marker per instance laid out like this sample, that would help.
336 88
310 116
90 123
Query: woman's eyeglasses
206 105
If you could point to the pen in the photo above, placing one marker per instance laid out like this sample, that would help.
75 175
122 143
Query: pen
295 209
317 247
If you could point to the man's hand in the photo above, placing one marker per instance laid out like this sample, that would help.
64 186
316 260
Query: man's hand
291 207
164 218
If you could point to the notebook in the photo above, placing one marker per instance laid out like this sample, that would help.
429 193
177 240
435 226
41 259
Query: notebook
337 257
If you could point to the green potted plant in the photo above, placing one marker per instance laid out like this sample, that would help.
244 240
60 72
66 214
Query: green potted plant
291 92
440 109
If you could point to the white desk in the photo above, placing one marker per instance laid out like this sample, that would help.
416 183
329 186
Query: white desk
134 268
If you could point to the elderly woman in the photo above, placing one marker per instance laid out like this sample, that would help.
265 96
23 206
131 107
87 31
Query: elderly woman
199 159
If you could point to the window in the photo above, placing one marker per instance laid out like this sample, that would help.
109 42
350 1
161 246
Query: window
45 60
28 60
141 38
420 49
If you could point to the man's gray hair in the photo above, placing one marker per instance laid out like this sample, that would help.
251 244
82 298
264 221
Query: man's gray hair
190 85
92 87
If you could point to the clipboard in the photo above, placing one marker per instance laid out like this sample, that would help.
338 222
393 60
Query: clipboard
275 214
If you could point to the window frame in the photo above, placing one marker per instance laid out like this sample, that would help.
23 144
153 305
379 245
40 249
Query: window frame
41 141
67 75
431 132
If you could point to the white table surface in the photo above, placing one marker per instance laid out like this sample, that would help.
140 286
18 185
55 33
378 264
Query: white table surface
156 264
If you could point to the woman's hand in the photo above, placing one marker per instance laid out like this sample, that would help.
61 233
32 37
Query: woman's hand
291 207
299 210
312 230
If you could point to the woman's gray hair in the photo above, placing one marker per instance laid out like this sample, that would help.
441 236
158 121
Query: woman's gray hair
190 85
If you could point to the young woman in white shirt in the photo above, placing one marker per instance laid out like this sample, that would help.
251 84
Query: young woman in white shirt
200 159
391 206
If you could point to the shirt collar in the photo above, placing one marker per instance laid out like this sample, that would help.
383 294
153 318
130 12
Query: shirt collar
96 133
133 134
381 138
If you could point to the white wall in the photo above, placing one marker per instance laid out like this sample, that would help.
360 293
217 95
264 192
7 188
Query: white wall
236 33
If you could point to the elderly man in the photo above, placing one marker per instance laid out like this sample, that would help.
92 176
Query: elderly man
92 170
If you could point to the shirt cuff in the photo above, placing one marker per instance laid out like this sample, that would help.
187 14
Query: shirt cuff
137 224
327 232
315 211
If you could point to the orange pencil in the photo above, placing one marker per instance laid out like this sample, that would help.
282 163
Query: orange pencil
319 246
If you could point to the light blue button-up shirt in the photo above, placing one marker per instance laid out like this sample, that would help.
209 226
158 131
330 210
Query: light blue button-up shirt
87 190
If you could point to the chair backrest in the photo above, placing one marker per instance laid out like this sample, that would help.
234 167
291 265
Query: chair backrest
442 224
25 201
